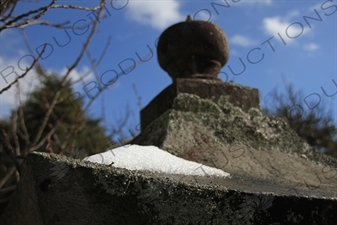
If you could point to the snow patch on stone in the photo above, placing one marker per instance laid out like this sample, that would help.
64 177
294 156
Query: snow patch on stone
152 158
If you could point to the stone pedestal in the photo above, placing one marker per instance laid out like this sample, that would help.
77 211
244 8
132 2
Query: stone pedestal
239 96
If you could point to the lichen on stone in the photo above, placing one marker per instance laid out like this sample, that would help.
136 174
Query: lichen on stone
193 103
228 125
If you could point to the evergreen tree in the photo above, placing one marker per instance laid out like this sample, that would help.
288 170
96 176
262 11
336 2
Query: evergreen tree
68 131
315 126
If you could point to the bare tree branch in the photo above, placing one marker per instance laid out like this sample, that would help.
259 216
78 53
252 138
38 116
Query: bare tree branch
9 149
61 134
23 126
41 11
27 70
98 93
64 79
14 130
139 98
47 23
13 23
7 189
7 176
51 132
76 7
5 5
94 64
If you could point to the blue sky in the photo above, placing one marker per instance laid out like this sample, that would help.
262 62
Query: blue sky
278 34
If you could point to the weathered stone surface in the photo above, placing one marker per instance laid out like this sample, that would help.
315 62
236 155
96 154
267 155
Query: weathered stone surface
193 49
58 190
240 96
277 178
247 144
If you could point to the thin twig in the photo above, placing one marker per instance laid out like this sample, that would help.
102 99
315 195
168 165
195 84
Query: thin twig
23 126
139 98
96 63
69 134
64 80
24 74
51 132
7 176
76 7
7 189
31 51
94 69
14 129
9 149
4 8
56 25
106 87
41 11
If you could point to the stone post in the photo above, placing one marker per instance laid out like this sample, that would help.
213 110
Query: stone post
193 53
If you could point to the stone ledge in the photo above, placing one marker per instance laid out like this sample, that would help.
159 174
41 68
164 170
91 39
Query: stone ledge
59 190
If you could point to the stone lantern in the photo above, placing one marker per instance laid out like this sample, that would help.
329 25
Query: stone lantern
192 53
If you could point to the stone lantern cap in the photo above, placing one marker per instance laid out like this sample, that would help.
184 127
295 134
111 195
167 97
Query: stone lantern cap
193 49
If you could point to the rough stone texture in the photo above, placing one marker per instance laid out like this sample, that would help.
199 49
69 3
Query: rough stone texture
276 177
193 49
58 190
238 95
246 144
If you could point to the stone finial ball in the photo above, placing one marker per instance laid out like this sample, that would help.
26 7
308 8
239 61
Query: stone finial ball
193 49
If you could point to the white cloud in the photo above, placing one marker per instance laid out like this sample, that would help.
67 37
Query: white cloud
310 47
291 15
273 25
159 14
242 41
317 6
201 15
83 73
234 52
287 28
11 38
11 99
261 2
12 64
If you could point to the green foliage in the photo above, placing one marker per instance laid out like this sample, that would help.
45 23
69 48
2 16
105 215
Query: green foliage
68 131
315 126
